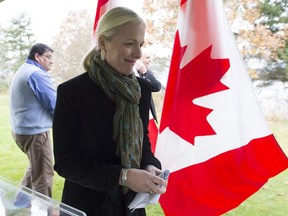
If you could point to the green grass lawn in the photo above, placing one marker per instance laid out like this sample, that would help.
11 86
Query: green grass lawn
270 200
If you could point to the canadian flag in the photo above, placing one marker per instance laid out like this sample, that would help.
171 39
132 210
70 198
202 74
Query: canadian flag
102 7
105 5
212 137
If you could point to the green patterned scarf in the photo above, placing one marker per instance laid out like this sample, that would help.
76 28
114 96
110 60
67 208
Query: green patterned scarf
127 125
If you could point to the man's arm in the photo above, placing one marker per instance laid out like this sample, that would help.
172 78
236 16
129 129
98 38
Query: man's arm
44 90
155 84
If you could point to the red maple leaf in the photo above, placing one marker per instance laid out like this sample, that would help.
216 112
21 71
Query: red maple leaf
200 77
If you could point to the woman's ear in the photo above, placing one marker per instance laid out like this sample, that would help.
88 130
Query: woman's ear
101 42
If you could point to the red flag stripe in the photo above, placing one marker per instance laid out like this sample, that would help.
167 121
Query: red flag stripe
99 12
153 133
230 187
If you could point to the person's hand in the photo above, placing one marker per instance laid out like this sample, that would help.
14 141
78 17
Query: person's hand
146 182
154 170
140 67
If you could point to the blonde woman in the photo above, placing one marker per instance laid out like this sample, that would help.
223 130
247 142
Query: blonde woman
101 143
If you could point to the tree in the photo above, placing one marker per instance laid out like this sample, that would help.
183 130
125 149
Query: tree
275 18
254 38
70 45
161 19
17 40
2 48
74 37
275 14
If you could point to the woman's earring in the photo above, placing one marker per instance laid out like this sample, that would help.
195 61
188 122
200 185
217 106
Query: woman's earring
102 54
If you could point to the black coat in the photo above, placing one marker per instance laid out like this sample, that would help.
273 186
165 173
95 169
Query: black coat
155 87
85 152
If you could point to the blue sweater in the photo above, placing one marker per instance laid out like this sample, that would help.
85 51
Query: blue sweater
32 99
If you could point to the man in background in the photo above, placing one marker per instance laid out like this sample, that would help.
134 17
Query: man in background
144 72
32 103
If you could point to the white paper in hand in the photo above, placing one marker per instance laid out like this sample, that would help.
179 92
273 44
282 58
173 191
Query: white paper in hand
141 200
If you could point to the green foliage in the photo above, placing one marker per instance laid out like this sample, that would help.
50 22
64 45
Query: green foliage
283 54
274 13
17 40
276 19
15 43
274 71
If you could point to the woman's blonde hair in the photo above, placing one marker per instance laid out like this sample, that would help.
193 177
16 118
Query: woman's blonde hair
108 26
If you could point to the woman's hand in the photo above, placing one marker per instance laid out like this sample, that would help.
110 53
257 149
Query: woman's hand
146 182
154 170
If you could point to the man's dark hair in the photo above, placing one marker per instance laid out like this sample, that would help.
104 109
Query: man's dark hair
40 49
